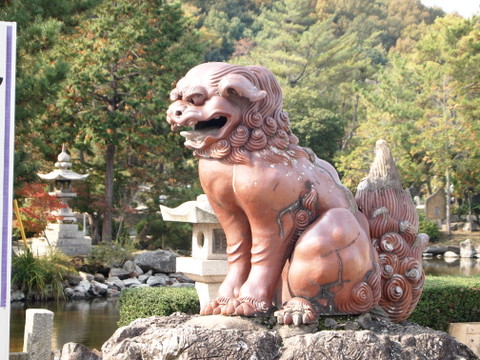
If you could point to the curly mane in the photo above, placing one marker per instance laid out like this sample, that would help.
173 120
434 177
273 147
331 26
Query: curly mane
264 131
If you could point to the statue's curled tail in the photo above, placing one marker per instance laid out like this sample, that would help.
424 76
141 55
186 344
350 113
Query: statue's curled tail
393 221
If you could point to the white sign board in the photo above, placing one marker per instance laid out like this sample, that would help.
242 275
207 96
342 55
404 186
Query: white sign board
8 32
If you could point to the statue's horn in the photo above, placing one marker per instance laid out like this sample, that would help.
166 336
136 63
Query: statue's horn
240 85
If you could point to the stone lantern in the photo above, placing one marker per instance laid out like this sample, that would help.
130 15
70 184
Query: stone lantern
208 264
63 234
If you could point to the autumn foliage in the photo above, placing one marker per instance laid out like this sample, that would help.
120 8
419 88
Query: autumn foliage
36 207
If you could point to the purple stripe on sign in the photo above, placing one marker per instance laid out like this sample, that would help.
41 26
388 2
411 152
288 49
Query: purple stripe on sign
6 169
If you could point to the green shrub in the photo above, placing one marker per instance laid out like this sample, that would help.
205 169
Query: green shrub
107 255
428 227
445 299
162 301
40 277
448 299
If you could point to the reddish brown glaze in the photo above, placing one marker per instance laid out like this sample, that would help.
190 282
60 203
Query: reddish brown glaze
295 236
393 223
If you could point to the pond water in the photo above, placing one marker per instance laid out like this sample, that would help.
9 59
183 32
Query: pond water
452 266
87 322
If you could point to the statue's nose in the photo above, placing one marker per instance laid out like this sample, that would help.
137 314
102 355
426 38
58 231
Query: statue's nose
177 110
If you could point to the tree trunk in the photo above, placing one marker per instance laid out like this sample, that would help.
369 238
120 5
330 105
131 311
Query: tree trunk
107 215
447 190
94 222
470 215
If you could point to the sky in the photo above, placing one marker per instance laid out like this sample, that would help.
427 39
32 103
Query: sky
466 8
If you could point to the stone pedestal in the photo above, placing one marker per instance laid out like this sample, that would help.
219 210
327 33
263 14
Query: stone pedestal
65 237
37 342
207 274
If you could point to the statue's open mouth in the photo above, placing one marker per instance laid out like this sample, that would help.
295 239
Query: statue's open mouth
201 130
215 123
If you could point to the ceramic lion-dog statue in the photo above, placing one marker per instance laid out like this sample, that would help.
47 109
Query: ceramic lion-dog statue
297 239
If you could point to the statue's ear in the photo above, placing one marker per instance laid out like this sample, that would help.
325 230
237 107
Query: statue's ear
237 84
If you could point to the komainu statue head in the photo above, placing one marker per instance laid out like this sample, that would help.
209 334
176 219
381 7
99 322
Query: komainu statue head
235 112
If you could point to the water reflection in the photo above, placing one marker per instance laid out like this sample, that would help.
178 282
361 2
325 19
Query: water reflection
452 266
89 322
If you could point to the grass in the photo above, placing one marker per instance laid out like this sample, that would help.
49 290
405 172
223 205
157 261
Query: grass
40 277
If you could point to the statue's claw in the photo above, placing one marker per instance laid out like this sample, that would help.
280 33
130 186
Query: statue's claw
229 309
215 307
248 306
296 311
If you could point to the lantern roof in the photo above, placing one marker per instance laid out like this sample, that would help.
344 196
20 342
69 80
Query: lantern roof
62 171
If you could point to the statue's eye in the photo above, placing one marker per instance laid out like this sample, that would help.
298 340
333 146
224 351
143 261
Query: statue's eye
196 99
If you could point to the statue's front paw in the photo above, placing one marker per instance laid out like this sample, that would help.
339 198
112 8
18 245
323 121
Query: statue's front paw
249 306
296 311
216 307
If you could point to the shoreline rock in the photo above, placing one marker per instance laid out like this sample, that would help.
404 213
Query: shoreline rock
181 336
157 269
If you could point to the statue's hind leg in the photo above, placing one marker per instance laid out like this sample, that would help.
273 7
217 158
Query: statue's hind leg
333 270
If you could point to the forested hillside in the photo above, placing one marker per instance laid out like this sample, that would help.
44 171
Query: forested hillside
96 76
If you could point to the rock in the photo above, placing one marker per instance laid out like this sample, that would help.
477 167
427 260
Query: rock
69 292
143 278
450 254
351 325
74 280
409 342
180 277
99 277
115 281
132 268
192 337
17 295
73 351
83 287
158 260
157 280
365 321
86 276
455 249
289 331
436 250
179 285
77 295
331 323
131 282
173 338
470 226
98 288
113 292
467 250
120 273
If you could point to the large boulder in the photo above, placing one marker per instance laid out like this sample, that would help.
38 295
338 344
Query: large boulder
159 261
436 250
467 249
73 351
192 337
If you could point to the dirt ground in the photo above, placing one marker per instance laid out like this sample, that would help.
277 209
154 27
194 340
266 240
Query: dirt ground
456 237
